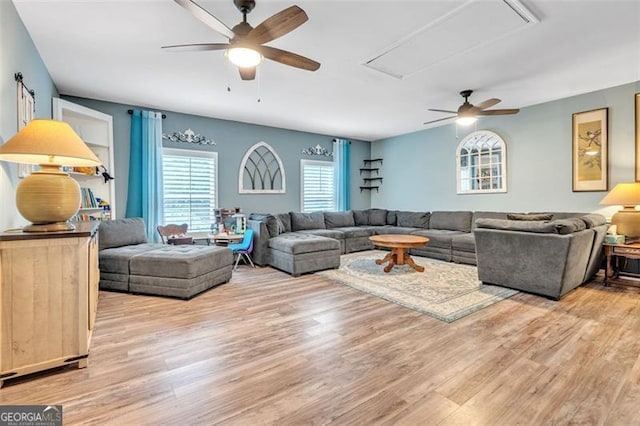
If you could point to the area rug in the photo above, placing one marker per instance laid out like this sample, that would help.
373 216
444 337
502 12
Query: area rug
446 291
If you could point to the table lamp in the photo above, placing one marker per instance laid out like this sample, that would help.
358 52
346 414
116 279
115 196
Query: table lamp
48 198
626 220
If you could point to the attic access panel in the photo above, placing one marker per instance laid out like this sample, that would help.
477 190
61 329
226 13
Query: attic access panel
469 26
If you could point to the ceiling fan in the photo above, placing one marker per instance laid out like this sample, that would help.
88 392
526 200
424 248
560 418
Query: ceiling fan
246 44
467 113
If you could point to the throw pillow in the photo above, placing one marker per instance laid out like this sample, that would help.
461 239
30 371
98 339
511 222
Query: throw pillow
530 216
270 220
361 217
377 217
392 219
517 225
285 220
413 219
304 221
568 226
339 219
593 219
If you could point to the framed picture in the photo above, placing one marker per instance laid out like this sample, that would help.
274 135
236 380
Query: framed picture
26 113
590 156
637 137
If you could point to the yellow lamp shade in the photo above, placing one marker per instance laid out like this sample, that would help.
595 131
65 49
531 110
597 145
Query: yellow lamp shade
48 198
627 220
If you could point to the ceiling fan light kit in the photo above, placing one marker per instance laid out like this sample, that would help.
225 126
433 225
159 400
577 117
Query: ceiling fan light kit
245 48
468 113
243 57
466 120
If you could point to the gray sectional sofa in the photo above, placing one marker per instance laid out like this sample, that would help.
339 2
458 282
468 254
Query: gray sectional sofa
129 263
510 253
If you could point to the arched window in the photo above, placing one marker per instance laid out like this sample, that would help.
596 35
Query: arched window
481 163
261 171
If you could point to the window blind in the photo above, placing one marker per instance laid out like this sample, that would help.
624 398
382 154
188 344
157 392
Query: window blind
190 187
318 191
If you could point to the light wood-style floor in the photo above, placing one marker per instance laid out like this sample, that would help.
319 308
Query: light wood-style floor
267 348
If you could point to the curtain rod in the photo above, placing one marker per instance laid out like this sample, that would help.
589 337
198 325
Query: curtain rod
130 112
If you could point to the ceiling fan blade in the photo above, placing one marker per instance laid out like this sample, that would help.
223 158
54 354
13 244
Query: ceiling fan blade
197 47
204 16
289 58
248 73
440 119
278 25
444 110
488 103
499 111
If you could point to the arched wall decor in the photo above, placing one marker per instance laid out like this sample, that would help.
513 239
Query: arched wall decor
481 163
261 171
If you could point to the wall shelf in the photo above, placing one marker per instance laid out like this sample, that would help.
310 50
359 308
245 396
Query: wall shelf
368 180
377 188
373 160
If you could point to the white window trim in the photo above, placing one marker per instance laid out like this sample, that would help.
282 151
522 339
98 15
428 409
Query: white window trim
241 188
304 162
197 153
503 165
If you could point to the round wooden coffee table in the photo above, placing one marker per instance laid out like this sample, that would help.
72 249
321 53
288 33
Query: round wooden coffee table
398 244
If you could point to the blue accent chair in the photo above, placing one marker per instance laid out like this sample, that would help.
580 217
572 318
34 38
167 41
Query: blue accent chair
243 249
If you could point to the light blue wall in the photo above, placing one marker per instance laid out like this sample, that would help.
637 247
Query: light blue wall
233 139
420 170
17 54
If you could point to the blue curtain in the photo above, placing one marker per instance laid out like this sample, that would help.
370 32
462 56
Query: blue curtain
341 154
145 198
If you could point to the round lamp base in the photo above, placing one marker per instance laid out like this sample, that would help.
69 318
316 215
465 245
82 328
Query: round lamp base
48 199
627 222
50 227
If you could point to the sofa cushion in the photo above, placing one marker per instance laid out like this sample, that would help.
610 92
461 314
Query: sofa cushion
121 232
356 231
388 229
339 219
392 218
298 242
377 217
481 215
361 217
116 259
284 222
301 221
464 242
274 227
593 219
518 225
439 237
530 216
413 219
569 226
181 261
329 233
453 221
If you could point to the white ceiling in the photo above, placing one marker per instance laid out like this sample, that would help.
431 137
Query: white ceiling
110 50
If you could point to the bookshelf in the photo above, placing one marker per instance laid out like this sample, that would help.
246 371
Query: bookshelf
96 130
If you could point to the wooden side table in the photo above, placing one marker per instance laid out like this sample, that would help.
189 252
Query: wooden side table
615 254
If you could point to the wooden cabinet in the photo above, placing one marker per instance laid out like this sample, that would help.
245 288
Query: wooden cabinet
96 130
48 299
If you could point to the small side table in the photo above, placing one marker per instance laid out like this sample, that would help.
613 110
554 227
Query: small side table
614 254
226 239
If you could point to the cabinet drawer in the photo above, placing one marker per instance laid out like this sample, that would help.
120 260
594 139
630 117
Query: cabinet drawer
627 250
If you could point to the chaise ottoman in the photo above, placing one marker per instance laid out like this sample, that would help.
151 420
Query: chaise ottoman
299 253
179 271
129 263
